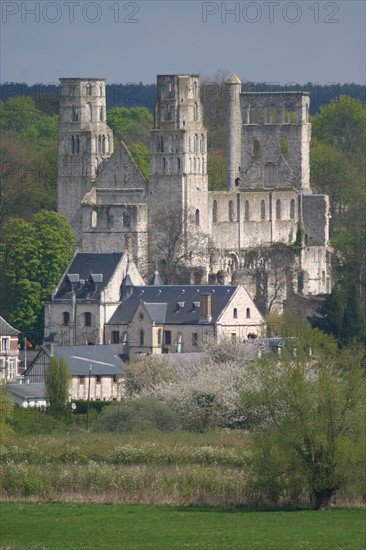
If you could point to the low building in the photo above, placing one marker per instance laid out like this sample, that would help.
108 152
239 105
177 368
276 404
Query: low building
178 318
28 395
97 372
9 352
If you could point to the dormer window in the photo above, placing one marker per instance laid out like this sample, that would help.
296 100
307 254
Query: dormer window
180 305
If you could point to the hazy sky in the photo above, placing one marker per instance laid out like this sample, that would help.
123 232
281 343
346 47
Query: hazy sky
266 41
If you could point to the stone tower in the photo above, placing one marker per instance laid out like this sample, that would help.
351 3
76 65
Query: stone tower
178 181
233 132
268 139
84 142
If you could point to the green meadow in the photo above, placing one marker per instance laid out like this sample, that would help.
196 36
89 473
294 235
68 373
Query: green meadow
40 526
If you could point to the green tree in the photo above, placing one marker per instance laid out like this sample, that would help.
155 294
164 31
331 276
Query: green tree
310 434
130 125
57 382
141 155
33 256
6 412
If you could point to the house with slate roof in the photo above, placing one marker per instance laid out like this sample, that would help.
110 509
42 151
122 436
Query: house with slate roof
9 351
97 371
88 294
178 318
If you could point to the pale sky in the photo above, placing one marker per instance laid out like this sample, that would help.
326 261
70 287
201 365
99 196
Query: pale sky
123 41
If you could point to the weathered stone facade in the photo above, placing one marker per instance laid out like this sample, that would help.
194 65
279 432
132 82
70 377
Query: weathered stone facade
268 199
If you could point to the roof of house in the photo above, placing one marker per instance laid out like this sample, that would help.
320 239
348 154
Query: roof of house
88 273
181 302
101 358
156 280
6 329
27 391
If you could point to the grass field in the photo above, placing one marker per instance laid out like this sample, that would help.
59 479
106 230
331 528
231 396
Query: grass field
103 527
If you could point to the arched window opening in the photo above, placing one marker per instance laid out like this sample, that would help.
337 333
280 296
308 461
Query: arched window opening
202 143
88 112
161 144
101 114
195 112
142 337
77 145
248 313
235 313
269 174
178 165
263 209
278 209
246 211
256 147
73 148
87 318
284 147
168 112
214 211
164 164
89 89
197 217
231 211
66 318
74 114
292 209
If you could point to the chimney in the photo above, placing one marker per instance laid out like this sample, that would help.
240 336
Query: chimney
205 307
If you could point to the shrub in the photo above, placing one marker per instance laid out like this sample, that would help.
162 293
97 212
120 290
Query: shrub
137 415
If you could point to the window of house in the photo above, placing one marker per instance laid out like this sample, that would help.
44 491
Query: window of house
233 337
98 379
87 318
12 368
278 209
194 339
142 337
292 209
246 211
66 318
115 336
248 313
81 380
167 337
2 364
214 211
263 209
4 344
235 313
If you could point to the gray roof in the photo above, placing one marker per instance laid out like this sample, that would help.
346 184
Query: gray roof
27 391
157 312
101 358
182 303
6 329
90 272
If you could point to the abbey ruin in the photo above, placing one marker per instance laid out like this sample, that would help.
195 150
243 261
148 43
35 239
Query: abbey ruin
267 230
